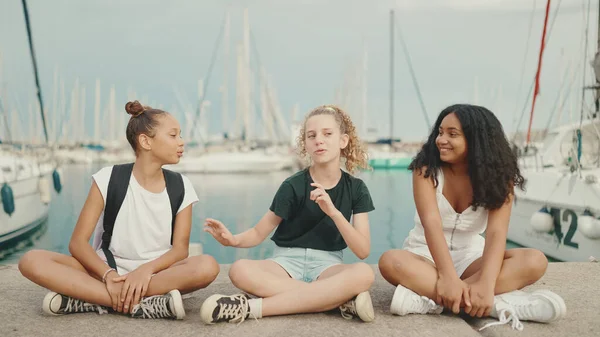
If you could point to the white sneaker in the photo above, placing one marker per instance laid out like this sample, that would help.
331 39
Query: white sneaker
406 301
360 306
539 306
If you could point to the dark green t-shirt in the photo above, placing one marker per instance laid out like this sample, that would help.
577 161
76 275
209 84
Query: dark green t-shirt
304 224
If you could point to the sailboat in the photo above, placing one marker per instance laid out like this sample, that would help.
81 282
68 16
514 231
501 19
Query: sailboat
25 196
245 155
390 153
25 176
559 213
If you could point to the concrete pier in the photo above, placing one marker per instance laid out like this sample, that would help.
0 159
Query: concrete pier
578 283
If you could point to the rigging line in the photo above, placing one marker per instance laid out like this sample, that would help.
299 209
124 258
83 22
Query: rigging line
35 68
265 82
536 90
208 73
6 126
555 104
585 49
413 75
533 81
531 15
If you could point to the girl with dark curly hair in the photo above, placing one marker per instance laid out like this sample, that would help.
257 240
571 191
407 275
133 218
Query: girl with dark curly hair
316 213
463 185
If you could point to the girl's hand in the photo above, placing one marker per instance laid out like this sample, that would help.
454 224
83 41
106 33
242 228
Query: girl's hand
482 299
451 292
114 289
321 197
134 288
218 230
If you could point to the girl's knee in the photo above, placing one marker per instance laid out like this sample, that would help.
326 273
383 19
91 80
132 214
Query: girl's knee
28 261
208 267
535 263
239 272
364 275
392 263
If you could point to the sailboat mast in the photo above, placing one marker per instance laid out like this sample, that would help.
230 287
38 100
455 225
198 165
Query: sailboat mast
224 91
536 91
597 100
35 69
391 76
598 37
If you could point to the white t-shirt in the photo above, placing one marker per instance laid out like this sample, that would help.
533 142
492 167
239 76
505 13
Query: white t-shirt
142 230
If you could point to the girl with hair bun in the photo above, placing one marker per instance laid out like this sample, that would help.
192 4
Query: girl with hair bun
140 216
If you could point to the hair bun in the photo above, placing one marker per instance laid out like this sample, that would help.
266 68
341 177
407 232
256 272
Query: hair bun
134 108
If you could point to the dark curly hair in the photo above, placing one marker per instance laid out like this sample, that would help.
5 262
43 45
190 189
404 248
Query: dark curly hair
492 165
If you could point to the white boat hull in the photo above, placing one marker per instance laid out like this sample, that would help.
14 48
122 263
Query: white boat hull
30 211
235 162
566 195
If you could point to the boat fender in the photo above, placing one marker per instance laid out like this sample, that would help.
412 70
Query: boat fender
541 221
44 188
8 199
56 181
589 226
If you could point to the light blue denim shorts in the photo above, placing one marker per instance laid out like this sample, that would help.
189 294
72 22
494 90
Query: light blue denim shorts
305 264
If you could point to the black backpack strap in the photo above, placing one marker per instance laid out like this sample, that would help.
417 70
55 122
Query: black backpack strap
115 194
176 192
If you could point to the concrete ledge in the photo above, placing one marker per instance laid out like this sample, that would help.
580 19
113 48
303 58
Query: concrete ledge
578 283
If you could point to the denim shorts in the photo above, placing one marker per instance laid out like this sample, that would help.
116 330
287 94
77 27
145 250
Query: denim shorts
305 264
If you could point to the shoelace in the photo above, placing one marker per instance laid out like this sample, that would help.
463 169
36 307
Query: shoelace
235 313
75 305
424 303
153 307
348 309
503 318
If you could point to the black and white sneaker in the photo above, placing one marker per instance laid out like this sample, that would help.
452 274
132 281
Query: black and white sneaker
360 306
58 304
160 306
221 308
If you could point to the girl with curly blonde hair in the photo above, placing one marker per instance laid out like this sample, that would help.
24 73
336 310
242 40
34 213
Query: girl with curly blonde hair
354 154
311 213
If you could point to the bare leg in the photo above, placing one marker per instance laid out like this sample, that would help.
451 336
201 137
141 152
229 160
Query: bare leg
335 286
65 275
262 278
412 271
521 267
284 295
190 274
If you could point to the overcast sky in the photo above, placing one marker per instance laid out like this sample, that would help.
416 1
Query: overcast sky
462 51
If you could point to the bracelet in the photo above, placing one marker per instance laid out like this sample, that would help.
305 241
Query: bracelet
106 273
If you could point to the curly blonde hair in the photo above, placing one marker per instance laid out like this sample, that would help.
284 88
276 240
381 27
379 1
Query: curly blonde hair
354 154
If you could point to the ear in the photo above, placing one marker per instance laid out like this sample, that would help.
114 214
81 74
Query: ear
344 141
145 142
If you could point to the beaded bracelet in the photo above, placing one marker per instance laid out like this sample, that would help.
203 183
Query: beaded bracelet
106 273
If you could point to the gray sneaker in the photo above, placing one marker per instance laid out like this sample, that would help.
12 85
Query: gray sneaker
160 306
58 304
